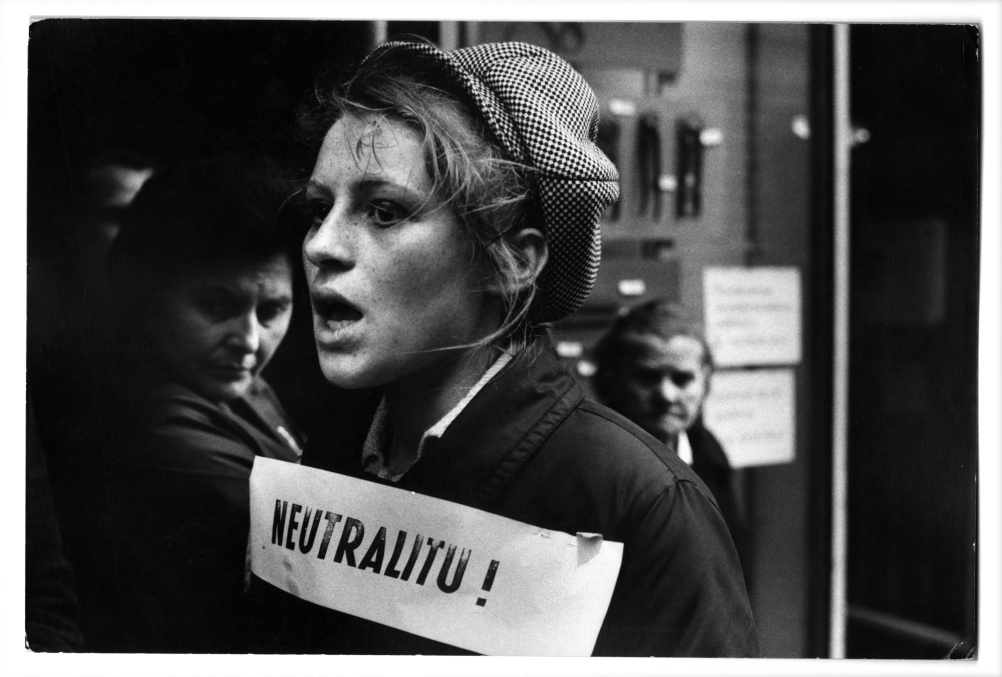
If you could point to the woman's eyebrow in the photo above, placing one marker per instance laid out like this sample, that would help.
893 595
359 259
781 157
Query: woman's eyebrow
314 186
216 289
375 183
225 292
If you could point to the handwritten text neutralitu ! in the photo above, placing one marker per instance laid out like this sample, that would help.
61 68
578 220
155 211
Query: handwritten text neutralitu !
288 531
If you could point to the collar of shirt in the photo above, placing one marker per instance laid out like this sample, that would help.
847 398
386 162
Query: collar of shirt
684 448
378 439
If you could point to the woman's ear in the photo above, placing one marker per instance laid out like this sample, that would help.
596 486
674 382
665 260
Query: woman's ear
532 253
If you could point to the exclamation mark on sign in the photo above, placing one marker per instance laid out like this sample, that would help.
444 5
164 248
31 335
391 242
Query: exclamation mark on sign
488 581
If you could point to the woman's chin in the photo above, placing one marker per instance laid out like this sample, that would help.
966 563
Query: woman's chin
349 375
225 391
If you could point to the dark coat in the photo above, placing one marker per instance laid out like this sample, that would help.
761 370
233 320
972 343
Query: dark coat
181 515
50 602
530 447
709 461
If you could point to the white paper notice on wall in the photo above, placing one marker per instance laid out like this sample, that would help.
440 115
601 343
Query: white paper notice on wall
752 413
752 315
427 566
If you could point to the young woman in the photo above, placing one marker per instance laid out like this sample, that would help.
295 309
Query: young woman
454 209
202 282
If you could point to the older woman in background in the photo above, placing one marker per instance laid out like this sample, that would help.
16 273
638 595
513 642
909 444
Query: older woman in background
654 366
201 277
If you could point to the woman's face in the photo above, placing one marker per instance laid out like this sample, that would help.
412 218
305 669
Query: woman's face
216 330
389 269
663 387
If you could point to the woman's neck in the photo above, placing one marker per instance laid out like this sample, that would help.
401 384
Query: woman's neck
419 400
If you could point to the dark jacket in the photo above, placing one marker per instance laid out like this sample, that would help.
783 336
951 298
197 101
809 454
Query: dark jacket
709 461
50 603
530 447
181 514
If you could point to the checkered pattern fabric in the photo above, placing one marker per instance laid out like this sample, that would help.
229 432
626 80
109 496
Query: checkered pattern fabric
543 114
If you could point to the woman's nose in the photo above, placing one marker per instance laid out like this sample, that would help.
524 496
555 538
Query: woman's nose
245 334
329 244
668 390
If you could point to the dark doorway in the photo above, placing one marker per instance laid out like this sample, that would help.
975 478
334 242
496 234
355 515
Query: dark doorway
913 345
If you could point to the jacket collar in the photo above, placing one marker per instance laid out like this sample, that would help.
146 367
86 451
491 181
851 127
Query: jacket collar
498 431
378 440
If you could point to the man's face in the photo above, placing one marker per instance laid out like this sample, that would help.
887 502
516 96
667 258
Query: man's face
663 388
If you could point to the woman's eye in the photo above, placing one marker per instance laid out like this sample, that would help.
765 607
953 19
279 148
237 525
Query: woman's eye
647 377
683 379
385 213
214 309
267 312
317 210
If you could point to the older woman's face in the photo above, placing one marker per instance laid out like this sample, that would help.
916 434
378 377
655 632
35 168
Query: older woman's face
662 389
389 269
216 330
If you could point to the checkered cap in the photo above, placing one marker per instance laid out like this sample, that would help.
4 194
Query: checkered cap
544 115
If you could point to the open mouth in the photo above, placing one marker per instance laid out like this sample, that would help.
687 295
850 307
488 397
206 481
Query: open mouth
335 313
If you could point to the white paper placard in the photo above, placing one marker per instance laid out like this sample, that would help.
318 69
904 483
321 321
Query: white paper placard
752 414
752 315
427 566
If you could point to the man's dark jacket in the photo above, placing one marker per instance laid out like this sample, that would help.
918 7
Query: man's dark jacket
530 447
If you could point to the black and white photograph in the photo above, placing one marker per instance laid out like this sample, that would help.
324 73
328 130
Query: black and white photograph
439 339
